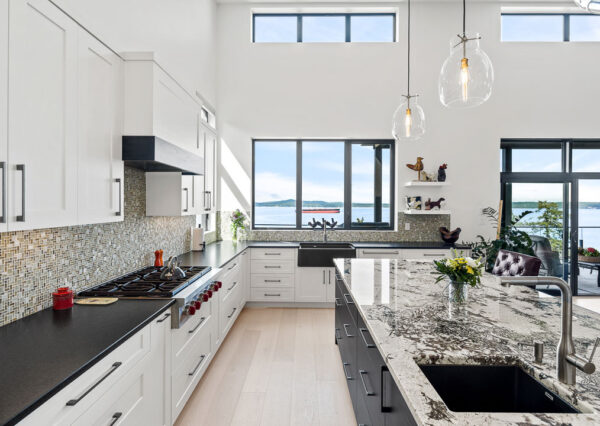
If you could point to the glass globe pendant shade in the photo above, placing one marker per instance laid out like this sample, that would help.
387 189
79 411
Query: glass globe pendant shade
409 121
467 75
592 6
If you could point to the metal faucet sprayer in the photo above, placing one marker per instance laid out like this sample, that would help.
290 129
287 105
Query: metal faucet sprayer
567 361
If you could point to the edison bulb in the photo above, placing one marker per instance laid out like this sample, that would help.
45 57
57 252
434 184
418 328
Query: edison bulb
409 121
467 76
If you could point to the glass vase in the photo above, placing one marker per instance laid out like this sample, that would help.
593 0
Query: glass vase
458 293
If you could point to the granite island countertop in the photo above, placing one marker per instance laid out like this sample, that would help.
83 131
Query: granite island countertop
412 324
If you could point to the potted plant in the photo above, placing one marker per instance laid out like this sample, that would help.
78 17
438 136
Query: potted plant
462 273
238 223
589 254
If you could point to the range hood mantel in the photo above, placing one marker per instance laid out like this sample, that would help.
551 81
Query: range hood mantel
153 154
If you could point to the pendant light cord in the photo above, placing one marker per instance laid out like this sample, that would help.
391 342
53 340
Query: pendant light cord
464 17
408 54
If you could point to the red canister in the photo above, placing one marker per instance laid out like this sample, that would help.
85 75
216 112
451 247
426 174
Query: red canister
62 299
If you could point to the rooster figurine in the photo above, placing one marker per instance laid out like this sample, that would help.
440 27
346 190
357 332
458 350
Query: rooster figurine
449 236
417 167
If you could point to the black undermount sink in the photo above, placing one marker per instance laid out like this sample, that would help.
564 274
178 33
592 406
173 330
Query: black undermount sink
492 389
322 254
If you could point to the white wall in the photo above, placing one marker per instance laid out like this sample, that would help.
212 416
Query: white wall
352 90
182 34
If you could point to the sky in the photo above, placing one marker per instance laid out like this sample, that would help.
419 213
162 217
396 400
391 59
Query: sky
549 28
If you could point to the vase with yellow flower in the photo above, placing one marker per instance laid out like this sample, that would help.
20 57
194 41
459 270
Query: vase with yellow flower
461 273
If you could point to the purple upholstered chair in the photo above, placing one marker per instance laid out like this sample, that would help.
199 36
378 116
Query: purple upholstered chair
509 263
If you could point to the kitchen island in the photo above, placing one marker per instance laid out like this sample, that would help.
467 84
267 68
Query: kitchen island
404 314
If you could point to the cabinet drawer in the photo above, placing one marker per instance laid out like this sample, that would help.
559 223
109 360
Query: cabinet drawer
273 266
272 254
185 337
426 253
188 372
376 253
229 310
68 404
231 268
231 285
272 295
272 280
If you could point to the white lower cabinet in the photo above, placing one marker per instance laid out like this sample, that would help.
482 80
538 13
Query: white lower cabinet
315 285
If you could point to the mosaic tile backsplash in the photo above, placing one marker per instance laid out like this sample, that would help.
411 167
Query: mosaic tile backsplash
422 228
34 263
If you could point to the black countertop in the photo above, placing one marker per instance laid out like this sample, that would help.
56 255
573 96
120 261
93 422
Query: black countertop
42 353
219 253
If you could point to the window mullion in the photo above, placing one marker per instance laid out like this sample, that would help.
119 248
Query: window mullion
299 29
348 29
347 184
566 27
298 184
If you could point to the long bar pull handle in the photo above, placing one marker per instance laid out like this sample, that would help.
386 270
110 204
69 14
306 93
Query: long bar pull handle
163 319
120 211
21 168
234 284
362 374
232 312
272 254
187 200
272 267
348 299
362 333
272 294
115 418
111 370
3 217
348 376
272 281
197 365
232 266
337 302
434 255
197 325
323 276
380 252
329 282
346 330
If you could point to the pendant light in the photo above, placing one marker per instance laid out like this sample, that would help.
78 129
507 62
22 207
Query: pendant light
409 118
467 74
591 6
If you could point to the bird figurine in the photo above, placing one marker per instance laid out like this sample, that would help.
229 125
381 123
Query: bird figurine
417 167
449 236
429 205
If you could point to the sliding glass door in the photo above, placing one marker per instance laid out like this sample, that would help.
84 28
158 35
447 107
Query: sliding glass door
587 281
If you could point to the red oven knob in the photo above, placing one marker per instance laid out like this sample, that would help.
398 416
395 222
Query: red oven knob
209 292
191 310
205 297
219 284
197 304
214 287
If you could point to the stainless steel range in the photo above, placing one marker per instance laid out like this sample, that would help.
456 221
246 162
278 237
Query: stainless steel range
189 287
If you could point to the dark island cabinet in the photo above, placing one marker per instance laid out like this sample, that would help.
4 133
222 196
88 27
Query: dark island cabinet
376 399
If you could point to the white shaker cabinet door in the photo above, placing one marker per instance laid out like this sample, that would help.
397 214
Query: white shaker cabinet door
42 116
3 112
311 285
100 182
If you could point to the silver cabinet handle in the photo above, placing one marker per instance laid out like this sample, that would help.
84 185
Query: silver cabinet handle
362 374
197 365
362 333
187 199
329 277
337 334
21 168
111 370
273 267
163 319
434 254
272 294
337 302
119 212
232 312
234 284
348 376
323 276
272 254
115 418
348 299
380 252
3 217
197 325
272 281
232 266
346 330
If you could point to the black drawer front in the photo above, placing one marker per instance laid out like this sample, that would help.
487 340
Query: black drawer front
370 368
345 297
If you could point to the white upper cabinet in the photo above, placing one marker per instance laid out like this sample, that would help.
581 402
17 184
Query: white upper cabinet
42 161
157 105
100 183
171 194
3 112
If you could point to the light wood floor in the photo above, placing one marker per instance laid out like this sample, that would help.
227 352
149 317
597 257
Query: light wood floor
276 367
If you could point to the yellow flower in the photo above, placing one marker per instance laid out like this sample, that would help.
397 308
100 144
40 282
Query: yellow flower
469 270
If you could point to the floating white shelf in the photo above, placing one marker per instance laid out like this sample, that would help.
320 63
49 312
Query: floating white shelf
436 211
421 184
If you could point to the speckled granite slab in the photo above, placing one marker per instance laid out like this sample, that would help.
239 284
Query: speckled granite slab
411 323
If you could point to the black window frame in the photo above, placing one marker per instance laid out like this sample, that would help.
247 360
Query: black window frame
566 26
347 183
348 16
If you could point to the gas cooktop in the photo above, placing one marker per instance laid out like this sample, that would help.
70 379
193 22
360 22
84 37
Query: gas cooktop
146 282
